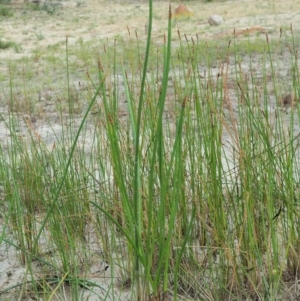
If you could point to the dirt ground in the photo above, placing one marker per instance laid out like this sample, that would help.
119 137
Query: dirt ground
92 19
95 19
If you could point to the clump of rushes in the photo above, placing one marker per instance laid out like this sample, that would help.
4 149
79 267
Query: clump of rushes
178 173
239 212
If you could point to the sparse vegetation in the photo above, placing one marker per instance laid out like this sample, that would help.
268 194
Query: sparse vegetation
39 35
4 1
5 11
6 44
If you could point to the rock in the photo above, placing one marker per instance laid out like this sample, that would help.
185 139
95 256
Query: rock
215 20
182 11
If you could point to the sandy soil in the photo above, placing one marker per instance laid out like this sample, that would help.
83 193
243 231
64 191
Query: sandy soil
94 19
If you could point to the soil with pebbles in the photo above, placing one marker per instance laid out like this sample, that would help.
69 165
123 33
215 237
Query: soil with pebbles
93 19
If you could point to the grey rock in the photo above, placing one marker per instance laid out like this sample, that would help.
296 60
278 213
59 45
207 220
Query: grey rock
215 20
